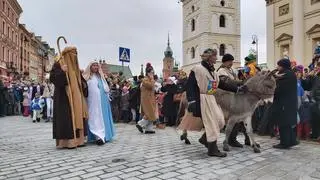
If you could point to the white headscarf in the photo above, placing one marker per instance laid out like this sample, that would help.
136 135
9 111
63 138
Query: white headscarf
87 74
173 79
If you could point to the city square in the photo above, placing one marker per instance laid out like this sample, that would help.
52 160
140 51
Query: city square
160 90
27 152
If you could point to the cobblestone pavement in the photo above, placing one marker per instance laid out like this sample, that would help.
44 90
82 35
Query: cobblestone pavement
28 152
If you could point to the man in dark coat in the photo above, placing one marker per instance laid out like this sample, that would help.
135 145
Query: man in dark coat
11 102
134 98
169 107
285 105
2 99
62 123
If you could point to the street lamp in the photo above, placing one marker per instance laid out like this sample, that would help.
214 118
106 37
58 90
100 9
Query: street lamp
255 41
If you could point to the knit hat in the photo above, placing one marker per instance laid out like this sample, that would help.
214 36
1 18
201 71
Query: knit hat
227 57
299 68
149 68
285 63
250 57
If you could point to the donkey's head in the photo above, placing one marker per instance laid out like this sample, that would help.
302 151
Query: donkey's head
262 84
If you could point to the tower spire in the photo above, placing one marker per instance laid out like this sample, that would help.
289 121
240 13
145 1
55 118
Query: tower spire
168 52
168 39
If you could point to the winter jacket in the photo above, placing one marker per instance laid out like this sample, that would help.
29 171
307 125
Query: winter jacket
37 103
305 112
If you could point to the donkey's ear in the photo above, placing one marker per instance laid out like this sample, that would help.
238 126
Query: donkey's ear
272 73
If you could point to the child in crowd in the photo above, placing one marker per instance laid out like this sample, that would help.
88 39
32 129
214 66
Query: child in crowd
303 128
26 102
125 112
36 106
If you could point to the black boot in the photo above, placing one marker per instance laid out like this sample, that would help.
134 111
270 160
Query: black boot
184 137
233 137
99 142
203 140
139 128
214 151
38 119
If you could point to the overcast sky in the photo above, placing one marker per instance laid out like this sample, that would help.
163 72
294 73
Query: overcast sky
98 27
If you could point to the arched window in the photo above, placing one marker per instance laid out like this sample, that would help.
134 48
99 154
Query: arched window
222 3
222 49
193 25
222 21
193 53
192 8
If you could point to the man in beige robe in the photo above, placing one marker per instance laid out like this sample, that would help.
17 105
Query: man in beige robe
201 87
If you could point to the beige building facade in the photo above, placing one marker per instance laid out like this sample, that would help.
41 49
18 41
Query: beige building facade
210 24
293 30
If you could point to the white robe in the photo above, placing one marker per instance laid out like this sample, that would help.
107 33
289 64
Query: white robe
95 121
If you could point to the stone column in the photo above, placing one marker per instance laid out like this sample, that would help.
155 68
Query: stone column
271 59
298 27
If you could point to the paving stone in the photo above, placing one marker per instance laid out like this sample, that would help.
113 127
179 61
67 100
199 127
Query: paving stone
148 175
74 178
115 168
209 176
154 168
189 175
47 176
96 168
222 171
67 176
186 170
129 175
132 169
87 175
169 175
112 174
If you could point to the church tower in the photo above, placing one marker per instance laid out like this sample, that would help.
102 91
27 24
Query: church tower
168 61
210 24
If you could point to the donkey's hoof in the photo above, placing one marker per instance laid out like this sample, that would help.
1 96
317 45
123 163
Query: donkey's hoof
183 137
257 145
256 150
186 141
226 148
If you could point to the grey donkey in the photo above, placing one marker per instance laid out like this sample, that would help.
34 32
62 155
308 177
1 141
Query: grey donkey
239 107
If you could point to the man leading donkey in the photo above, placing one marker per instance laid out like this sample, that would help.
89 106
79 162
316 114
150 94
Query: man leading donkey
202 84
226 70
